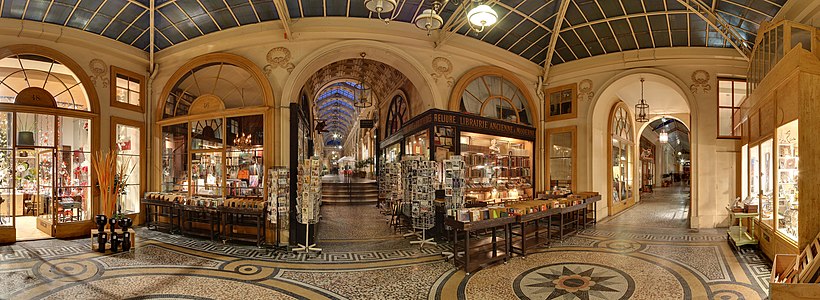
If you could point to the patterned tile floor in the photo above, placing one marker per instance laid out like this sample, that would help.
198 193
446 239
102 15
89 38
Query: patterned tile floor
610 261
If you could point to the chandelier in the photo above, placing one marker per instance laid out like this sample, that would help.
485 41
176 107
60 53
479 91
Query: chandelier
362 92
243 142
479 15
641 108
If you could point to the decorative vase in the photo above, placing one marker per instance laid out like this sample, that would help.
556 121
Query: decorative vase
126 241
102 238
100 220
25 138
115 241
112 223
125 223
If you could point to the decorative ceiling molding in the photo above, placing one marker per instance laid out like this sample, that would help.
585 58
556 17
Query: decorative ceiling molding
278 57
442 67
585 90
700 82
99 72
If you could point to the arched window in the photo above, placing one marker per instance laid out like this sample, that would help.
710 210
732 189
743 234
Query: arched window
495 96
622 158
36 72
232 84
397 114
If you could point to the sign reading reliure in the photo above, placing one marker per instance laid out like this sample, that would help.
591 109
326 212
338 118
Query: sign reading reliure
465 122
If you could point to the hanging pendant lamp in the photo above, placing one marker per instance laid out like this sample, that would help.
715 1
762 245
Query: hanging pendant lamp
363 92
641 108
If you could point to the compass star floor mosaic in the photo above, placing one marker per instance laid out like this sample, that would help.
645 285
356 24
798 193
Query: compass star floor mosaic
606 262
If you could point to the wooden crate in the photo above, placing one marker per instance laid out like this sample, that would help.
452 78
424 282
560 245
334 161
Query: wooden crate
798 291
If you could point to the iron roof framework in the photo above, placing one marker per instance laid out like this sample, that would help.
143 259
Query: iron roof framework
525 28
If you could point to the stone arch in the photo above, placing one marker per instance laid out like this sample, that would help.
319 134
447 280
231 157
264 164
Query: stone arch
599 109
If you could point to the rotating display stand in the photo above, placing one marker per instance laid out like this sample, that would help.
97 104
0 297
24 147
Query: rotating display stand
308 199
279 203
419 176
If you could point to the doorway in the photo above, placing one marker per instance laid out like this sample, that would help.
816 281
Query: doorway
664 177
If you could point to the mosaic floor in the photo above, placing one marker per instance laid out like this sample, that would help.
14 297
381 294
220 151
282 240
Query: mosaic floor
606 262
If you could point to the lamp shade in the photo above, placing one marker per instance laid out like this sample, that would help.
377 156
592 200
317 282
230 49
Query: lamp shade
25 138
380 6
482 15
428 20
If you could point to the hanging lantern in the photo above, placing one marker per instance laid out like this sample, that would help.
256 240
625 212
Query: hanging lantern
641 108
362 91
429 19
663 137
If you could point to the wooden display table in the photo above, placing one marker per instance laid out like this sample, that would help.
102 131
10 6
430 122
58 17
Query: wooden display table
475 257
738 235
529 230
157 210
244 217
95 233
191 214
591 213
569 219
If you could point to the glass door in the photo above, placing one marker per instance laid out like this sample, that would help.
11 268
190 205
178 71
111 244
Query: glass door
7 202
45 183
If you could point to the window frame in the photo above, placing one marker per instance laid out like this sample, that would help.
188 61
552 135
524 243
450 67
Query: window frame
573 87
132 76
115 121
736 131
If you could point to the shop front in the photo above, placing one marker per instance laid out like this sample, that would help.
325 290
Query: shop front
47 121
498 154
214 151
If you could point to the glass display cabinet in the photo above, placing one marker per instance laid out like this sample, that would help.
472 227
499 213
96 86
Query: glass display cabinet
782 83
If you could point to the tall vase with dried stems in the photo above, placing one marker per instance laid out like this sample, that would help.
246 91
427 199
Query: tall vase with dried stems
111 179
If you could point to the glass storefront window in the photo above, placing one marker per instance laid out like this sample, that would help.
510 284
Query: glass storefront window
175 158
560 155
244 161
73 170
6 171
128 147
418 144
207 134
207 174
622 158
35 130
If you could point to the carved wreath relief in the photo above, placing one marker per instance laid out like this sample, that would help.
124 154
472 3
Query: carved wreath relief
278 57
585 90
700 82
99 71
442 68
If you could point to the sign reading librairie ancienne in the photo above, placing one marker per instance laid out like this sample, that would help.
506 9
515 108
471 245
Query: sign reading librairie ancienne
464 122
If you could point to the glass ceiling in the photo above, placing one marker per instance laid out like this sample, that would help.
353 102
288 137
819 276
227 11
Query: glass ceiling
589 28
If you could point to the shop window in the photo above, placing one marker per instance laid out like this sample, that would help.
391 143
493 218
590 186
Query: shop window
495 96
175 158
127 140
731 93
127 89
397 114
561 163
621 158
562 102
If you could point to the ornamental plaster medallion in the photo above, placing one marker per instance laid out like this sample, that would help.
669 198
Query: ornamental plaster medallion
700 79
574 281
442 67
585 90
278 57
99 71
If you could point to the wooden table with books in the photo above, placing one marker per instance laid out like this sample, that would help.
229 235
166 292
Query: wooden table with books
484 251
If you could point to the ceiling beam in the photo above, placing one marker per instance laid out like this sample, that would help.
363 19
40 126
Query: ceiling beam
450 25
717 22
284 16
556 31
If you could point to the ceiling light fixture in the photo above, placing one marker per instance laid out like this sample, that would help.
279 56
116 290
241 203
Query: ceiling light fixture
481 16
663 137
429 19
362 93
379 7
641 108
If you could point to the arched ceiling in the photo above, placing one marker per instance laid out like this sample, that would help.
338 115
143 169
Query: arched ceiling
334 86
525 27
678 133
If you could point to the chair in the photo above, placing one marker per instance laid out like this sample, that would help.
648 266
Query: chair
29 205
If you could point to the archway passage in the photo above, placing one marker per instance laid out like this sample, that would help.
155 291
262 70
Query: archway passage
663 167
351 219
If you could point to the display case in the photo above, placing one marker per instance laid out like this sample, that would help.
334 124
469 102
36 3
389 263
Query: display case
783 77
